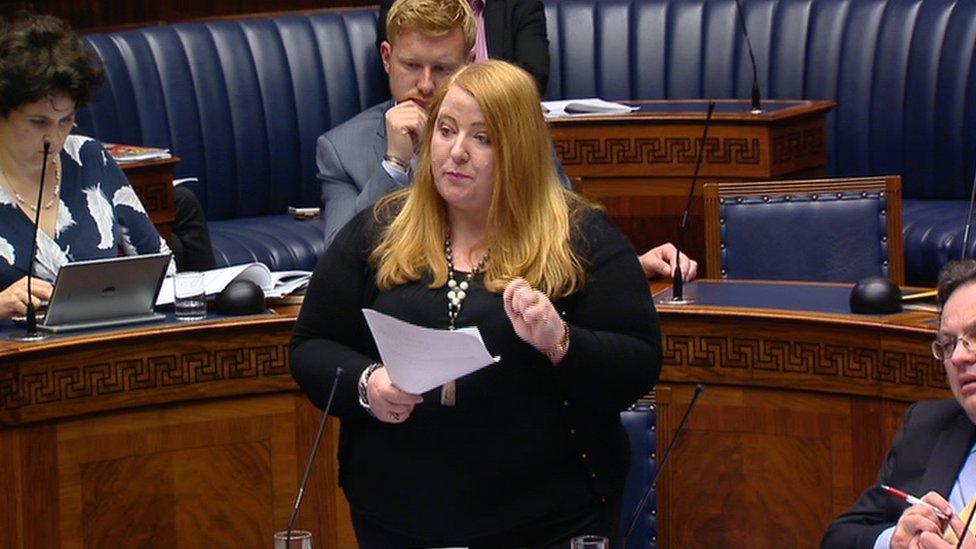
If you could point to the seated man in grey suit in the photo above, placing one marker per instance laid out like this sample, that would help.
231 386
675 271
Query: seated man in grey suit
934 454
370 155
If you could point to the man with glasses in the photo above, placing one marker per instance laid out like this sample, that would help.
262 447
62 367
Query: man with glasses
934 451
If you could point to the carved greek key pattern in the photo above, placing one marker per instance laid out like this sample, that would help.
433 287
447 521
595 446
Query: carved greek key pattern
798 144
134 374
656 150
153 197
804 357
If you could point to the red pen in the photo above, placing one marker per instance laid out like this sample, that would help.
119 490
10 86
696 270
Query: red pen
908 498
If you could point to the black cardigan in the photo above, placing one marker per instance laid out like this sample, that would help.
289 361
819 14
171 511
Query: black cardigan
527 443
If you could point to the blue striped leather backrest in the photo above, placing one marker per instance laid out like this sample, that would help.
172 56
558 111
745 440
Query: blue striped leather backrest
241 102
901 71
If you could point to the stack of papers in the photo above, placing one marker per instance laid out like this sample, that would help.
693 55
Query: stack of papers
587 107
134 153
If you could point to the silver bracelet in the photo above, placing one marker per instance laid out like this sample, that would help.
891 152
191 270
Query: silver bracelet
363 382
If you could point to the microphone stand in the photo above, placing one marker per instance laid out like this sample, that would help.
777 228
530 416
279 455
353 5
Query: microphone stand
311 459
31 333
756 102
969 221
677 277
667 453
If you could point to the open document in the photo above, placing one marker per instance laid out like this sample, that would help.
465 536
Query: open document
273 284
419 359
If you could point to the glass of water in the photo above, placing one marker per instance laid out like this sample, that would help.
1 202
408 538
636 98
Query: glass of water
299 539
190 298
589 542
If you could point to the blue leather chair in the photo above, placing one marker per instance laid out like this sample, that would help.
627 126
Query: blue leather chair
640 424
832 230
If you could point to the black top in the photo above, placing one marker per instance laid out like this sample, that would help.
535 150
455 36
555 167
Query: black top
527 443
927 455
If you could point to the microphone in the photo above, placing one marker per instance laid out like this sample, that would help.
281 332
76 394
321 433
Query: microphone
969 220
756 103
311 459
31 333
667 453
678 283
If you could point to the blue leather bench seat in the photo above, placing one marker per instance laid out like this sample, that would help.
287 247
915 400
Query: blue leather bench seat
242 101
903 73
933 232
279 241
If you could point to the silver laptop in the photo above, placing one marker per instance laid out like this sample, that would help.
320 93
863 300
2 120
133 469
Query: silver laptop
105 292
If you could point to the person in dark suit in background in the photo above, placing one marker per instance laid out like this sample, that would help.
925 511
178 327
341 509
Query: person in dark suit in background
933 453
510 30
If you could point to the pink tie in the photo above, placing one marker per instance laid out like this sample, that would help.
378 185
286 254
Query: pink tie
480 43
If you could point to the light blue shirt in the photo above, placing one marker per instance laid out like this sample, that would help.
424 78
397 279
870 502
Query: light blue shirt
962 491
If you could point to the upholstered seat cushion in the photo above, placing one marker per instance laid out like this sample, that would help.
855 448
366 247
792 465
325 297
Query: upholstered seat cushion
279 241
933 232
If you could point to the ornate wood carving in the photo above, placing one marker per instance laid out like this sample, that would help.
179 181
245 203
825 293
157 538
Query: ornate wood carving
804 357
656 150
21 387
804 143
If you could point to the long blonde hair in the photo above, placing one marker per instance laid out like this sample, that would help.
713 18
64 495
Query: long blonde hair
529 227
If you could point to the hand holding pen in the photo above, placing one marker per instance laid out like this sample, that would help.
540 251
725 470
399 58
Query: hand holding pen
930 513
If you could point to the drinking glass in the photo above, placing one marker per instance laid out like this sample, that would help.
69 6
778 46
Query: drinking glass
589 542
190 299
299 539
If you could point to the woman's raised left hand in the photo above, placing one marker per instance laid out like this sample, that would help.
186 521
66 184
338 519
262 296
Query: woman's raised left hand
534 318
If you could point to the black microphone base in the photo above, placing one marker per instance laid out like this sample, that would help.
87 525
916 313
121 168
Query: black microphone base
28 336
756 111
684 300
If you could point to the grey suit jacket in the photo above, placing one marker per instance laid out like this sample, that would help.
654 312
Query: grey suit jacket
350 164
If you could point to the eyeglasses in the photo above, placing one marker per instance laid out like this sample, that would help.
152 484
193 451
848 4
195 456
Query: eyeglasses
943 350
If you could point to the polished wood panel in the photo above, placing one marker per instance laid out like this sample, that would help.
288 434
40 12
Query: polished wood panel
640 165
161 436
153 182
798 413
890 187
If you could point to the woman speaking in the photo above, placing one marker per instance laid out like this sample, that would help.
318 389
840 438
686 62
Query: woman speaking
526 452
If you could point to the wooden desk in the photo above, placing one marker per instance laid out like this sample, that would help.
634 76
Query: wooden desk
153 182
180 435
799 412
161 436
640 165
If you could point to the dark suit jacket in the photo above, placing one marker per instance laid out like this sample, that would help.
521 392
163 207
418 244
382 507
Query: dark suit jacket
515 31
930 449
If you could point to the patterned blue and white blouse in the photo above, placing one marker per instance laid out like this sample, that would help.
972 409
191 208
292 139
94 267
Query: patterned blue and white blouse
99 214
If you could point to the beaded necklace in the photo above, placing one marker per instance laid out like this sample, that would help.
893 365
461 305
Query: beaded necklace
457 290
30 205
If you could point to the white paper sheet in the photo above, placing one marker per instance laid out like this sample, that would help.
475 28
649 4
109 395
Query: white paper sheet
419 359
583 107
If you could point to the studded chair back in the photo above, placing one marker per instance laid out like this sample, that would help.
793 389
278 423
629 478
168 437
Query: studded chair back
829 230
640 424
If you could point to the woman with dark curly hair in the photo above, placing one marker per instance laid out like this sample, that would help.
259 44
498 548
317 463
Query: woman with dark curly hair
88 209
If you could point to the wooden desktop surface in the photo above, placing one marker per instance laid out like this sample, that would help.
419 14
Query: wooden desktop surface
640 165
186 434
